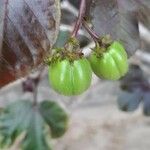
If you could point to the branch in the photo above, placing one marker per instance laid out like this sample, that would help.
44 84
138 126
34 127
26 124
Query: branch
80 18
31 85
91 32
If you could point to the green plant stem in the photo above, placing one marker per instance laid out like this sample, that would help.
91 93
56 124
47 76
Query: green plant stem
35 96
36 81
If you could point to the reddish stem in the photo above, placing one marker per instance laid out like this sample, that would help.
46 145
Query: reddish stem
91 32
80 18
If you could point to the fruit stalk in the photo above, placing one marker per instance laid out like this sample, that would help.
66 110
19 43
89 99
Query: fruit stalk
80 18
91 32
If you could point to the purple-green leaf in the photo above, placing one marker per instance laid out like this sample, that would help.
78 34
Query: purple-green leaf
2 16
119 19
29 30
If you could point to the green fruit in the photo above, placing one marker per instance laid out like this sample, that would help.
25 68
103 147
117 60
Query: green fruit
70 78
111 64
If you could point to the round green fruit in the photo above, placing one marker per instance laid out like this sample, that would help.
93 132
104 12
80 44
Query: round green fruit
112 64
70 77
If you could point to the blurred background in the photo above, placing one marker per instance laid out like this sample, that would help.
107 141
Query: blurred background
108 116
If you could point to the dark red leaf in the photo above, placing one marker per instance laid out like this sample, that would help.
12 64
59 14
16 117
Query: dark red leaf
2 16
29 30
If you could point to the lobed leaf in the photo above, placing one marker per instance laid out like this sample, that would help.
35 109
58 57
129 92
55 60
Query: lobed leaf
55 117
129 101
35 138
22 117
146 101
135 88
14 120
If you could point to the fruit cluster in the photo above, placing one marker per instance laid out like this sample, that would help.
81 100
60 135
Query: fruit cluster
70 72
